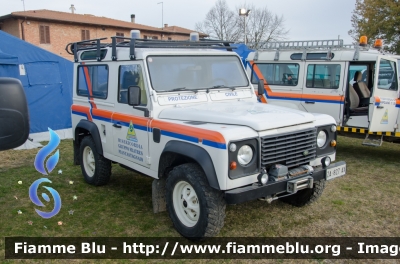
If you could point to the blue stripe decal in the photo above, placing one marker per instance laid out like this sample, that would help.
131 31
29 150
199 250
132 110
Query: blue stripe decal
214 144
163 132
101 118
79 113
179 136
125 124
379 104
398 105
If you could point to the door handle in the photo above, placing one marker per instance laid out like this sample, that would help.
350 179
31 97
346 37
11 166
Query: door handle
117 126
380 107
310 102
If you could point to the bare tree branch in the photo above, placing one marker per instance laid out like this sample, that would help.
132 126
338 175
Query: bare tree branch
220 22
261 24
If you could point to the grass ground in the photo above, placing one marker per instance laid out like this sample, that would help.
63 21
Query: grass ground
363 203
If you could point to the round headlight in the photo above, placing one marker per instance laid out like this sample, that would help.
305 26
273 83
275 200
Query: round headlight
245 154
321 139
333 128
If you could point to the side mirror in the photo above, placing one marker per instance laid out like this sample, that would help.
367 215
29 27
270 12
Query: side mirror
134 94
260 87
14 115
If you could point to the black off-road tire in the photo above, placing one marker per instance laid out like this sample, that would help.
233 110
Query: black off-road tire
101 173
211 202
306 196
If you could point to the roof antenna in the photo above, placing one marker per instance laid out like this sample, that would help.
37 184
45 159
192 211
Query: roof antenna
23 2
72 8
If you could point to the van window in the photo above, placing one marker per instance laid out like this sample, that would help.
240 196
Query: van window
326 76
311 56
283 74
387 78
93 81
131 75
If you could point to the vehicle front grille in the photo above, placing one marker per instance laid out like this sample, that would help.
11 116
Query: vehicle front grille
291 150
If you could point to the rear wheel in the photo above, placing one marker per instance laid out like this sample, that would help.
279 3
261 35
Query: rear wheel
306 196
196 209
95 168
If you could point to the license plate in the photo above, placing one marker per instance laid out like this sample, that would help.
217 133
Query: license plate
335 172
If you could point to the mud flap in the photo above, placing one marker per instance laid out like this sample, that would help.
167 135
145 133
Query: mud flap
158 196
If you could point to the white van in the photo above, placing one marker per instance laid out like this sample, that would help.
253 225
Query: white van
358 85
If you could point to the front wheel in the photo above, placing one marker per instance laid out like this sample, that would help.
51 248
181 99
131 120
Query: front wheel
306 196
95 168
196 209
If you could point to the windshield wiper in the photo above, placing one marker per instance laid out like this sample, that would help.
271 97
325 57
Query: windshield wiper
223 86
179 89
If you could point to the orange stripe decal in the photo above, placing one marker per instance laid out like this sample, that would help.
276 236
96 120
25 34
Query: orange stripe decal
282 95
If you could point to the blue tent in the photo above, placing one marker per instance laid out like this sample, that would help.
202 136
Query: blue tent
243 51
47 81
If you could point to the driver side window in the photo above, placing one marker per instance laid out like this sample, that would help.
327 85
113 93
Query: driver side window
130 75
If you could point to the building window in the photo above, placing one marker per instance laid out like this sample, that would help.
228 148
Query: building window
44 32
169 38
85 34
145 37
155 37
119 34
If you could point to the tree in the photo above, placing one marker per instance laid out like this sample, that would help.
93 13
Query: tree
225 24
220 23
377 19
261 26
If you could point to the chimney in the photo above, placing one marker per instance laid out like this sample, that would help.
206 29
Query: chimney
72 8
133 18
165 25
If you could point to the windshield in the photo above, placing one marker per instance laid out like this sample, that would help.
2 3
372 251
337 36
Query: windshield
169 73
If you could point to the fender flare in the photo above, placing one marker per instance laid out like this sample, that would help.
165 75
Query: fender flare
198 154
92 128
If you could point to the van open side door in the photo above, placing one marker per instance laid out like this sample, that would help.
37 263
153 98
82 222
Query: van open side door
383 113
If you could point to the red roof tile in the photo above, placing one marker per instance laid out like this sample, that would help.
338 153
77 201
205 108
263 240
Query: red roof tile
82 19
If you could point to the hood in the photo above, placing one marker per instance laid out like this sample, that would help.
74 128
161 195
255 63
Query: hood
252 114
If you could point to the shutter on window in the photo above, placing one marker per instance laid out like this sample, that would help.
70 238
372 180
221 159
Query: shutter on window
41 34
82 34
47 34
87 34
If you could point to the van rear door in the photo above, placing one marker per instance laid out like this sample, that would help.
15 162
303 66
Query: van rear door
383 111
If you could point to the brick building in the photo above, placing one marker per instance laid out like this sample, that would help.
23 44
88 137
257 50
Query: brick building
52 30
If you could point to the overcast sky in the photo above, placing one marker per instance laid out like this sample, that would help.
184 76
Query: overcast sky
306 19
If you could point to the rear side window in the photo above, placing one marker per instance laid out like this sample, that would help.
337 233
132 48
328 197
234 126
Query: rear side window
283 74
93 81
325 76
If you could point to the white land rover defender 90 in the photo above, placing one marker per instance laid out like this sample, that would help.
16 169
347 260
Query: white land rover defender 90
185 114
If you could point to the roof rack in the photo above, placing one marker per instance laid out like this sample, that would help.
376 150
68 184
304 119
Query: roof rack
306 44
133 43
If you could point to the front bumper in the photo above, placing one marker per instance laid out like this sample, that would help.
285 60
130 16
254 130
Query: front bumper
253 192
